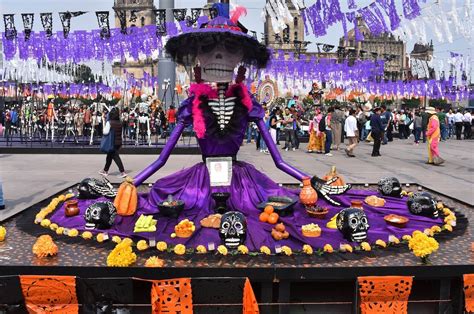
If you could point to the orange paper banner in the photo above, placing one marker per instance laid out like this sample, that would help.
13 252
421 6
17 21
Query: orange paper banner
250 302
50 294
172 296
469 292
387 294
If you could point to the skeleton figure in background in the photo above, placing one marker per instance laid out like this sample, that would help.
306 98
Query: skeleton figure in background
143 122
51 117
69 126
79 122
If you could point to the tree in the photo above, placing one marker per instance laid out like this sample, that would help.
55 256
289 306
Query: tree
84 74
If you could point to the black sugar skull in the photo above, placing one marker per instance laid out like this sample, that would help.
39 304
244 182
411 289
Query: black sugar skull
353 224
100 215
91 188
390 186
233 230
423 204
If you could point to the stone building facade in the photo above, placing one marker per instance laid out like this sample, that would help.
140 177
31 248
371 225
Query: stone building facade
142 11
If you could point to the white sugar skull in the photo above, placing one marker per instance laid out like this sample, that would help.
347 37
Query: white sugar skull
219 59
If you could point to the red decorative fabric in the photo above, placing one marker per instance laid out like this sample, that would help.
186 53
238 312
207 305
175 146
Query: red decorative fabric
50 294
387 294
172 296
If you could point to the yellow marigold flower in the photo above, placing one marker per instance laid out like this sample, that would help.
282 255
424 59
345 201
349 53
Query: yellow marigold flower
381 243
393 239
406 237
436 228
73 233
243 249
346 248
127 240
116 239
307 249
53 227
422 245
328 248
179 249
439 205
142 245
60 231
428 232
365 246
404 193
161 246
45 223
265 250
447 211
100 237
410 194
122 255
222 250
173 235
448 227
69 195
449 218
201 249
86 235
3 233
154 261
286 250
416 232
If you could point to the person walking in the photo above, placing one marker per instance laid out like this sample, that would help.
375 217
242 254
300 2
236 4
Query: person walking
417 126
328 132
2 200
114 125
290 129
467 122
443 122
450 116
336 127
386 118
316 137
377 131
171 118
458 123
433 134
352 132
275 123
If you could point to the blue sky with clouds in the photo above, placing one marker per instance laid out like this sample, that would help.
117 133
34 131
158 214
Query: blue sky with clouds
252 20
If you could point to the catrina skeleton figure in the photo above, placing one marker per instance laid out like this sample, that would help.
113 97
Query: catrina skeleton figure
219 112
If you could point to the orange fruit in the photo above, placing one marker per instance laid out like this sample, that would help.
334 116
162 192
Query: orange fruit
263 217
273 218
269 209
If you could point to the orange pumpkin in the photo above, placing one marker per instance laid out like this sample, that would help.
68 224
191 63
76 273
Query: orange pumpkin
332 174
126 200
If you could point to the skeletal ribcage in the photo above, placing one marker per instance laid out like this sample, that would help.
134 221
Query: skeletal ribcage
223 108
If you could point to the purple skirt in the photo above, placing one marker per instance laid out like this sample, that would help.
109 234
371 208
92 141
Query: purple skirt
249 187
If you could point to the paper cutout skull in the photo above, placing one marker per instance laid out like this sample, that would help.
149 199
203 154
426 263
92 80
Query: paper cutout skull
91 188
233 229
353 224
100 215
423 204
390 186
219 59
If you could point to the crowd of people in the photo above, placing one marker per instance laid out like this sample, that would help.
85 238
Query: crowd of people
142 123
329 127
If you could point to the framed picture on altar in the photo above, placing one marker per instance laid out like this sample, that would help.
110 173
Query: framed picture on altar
220 170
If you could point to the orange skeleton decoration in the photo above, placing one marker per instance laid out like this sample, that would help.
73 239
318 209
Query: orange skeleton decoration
384 294
172 296
469 292
50 294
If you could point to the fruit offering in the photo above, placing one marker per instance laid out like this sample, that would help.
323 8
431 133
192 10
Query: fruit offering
311 230
279 232
184 229
145 224
212 221
268 215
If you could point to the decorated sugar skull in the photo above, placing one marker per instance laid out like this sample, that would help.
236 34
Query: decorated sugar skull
219 59
353 224
390 186
91 188
423 204
233 229
100 215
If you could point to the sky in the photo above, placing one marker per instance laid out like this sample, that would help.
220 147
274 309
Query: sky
252 21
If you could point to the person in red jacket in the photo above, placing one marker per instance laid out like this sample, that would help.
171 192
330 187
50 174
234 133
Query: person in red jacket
171 117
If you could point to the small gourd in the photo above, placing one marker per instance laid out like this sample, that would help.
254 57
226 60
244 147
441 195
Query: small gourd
126 200
332 174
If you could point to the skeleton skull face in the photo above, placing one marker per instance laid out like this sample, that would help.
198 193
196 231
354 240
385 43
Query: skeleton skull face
100 215
353 224
219 59
233 230
390 186
423 204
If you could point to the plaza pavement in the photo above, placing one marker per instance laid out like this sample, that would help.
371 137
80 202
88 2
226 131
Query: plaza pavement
28 179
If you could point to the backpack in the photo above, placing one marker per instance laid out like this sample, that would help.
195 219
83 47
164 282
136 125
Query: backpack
322 124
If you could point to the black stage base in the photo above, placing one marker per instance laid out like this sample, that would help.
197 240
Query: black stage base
283 284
